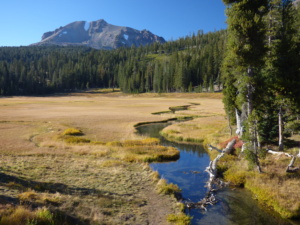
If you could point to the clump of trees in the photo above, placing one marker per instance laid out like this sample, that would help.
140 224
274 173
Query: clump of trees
261 70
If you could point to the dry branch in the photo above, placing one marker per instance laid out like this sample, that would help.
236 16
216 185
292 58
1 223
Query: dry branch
210 199
290 168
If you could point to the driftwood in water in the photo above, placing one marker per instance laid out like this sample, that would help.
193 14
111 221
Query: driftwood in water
213 182
290 168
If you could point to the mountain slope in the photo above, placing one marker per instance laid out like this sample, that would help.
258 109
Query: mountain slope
99 35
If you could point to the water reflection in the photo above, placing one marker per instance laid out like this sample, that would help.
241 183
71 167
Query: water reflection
233 207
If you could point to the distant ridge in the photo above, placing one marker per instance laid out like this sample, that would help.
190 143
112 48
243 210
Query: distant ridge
99 35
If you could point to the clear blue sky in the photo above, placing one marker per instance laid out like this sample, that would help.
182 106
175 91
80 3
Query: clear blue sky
23 22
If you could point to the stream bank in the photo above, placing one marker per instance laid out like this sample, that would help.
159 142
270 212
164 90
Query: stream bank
234 206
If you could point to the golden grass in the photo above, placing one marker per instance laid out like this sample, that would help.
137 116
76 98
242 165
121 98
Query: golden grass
274 187
103 161
72 131
32 196
21 215
168 189
179 219
207 130
93 169
146 150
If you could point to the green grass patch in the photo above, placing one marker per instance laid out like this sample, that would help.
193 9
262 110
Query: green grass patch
149 154
130 143
235 177
72 132
168 189
76 140
22 215
179 219
174 135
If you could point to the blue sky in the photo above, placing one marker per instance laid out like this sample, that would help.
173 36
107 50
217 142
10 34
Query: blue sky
23 22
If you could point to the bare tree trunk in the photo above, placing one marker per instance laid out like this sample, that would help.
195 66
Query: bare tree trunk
249 92
252 124
212 168
280 131
239 130
290 168
230 128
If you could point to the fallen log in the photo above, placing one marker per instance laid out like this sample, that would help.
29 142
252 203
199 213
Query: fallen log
213 183
212 171
212 168
290 168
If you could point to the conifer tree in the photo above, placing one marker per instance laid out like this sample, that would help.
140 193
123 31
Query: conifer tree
246 47
282 60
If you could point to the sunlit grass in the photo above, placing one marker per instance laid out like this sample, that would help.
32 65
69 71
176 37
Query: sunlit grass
21 215
41 198
167 188
72 132
207 130
179 219
147 150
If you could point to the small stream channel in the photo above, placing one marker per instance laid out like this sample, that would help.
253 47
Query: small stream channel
233 207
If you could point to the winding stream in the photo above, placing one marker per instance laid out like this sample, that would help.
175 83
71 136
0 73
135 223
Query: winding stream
233 207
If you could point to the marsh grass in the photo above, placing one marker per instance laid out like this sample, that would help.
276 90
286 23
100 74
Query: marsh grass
147 153
179 219
206 130
167 188
76 140
72 132
72 136
98 180
146 150
281 194
22 215
274 188
155 176
32 196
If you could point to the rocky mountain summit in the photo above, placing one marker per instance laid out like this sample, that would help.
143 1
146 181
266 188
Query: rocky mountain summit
99 35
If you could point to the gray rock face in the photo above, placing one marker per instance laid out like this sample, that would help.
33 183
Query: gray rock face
99 35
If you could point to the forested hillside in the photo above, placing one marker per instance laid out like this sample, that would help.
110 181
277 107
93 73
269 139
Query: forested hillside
180 65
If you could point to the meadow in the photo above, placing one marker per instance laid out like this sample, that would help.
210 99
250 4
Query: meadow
77 159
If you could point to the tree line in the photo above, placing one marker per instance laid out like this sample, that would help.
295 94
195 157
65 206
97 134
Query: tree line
181 65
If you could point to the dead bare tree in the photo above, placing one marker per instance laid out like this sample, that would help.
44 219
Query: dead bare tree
290 168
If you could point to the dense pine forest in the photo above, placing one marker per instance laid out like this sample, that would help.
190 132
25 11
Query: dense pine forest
181 65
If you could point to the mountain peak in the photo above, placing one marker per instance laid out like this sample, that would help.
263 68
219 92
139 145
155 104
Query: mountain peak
99 35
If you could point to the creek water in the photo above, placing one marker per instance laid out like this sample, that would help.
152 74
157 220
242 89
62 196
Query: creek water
234 206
